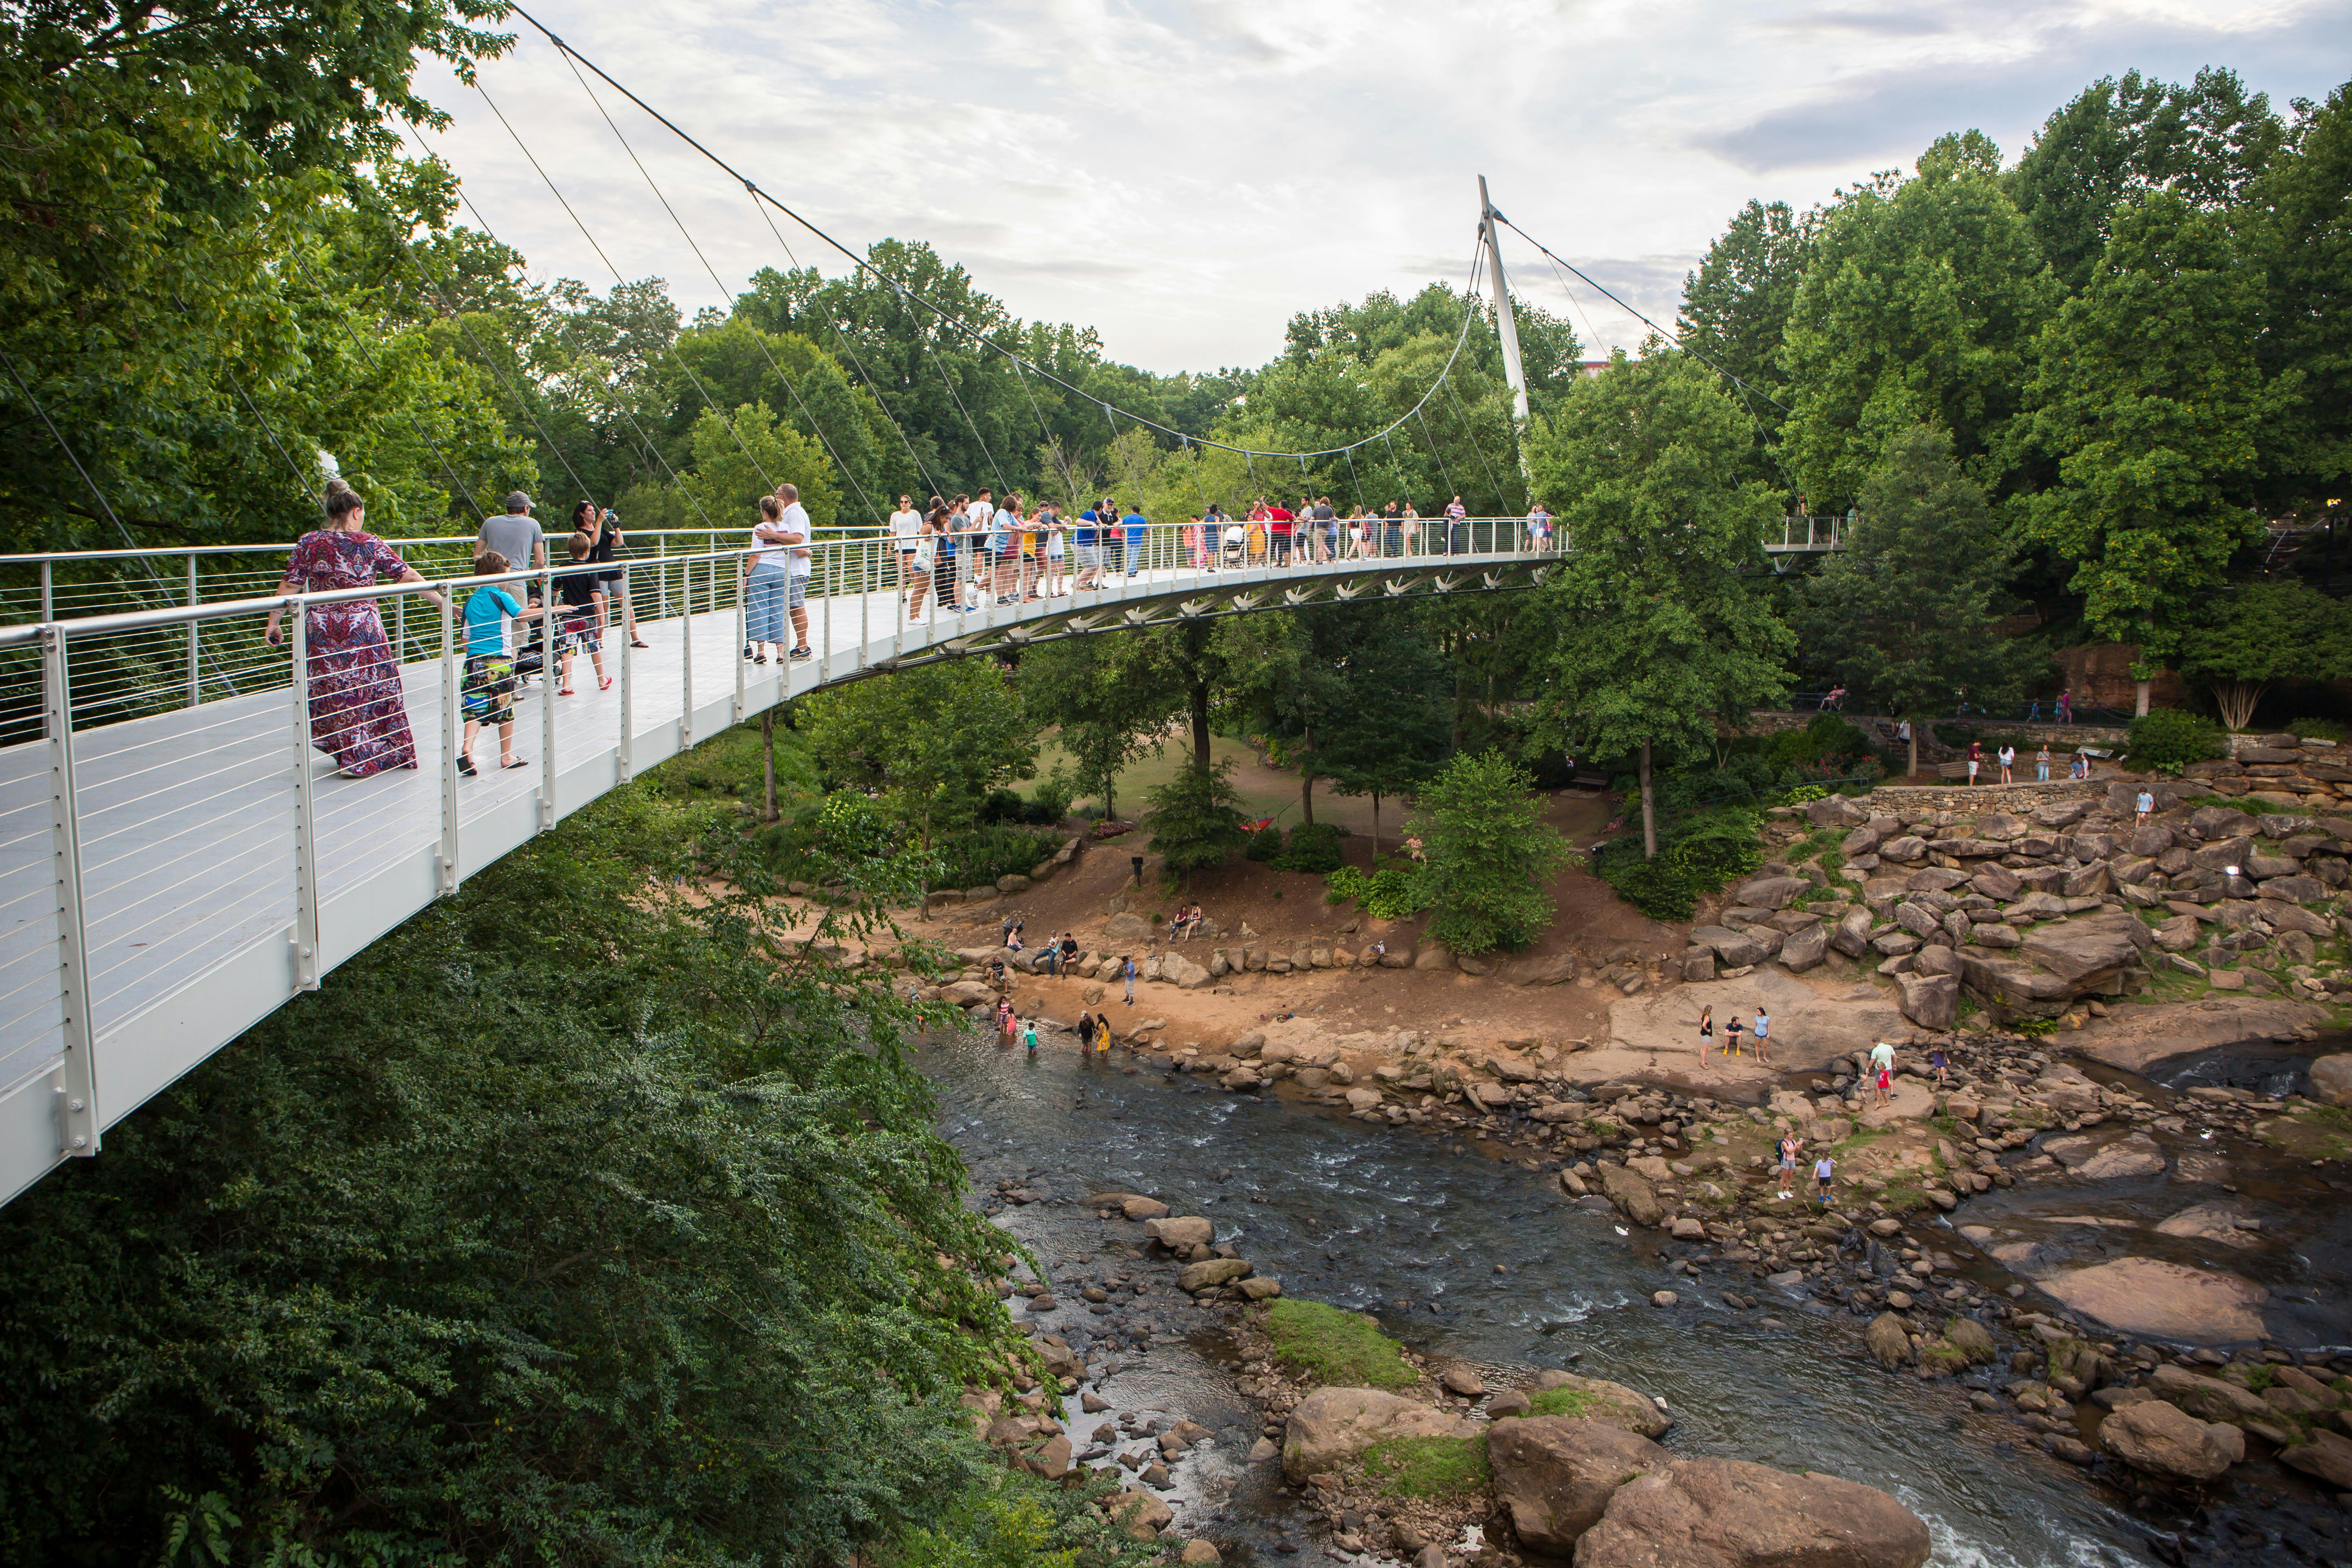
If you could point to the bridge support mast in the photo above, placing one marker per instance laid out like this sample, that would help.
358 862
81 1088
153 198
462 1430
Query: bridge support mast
1513 371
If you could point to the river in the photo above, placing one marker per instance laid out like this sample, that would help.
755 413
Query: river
1412 1229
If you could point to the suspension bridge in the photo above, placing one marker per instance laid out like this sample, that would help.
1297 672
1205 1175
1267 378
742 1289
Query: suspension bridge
178 860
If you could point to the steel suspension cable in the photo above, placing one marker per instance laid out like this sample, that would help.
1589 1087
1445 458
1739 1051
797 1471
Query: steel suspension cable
861 262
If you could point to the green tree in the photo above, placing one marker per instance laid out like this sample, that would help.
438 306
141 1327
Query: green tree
1736 305
930 742
1487 854
1920 301
1108 713
2152 401
2263 633
2121 139
1387 723
1196 818
1906 611
2299 220
1658 642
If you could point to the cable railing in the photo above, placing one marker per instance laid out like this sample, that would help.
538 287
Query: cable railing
1800 533
200 819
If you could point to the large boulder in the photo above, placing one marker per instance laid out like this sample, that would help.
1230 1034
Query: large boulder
1732 948
2331 1079
1835 810
1888 1340
1179 1232
2087 952
1770 892
2162 1439
1127 928
1930 1001
1555 1474
1332 1426
1182 972
1632 1192
2017 985
1852 935
1729 1513
2208 1398
1139 1514
1535 969
2326 1456
1805 948
1598 1399
1209 1273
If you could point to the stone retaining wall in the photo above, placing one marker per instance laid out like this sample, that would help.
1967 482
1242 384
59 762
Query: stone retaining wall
1898 799
2278 771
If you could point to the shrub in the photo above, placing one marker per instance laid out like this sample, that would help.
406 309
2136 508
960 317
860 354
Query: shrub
1489 853
1696 856
980 855
1335 1346
2169 738
1314 848
1264 845
1196 820
1391 893
2319 729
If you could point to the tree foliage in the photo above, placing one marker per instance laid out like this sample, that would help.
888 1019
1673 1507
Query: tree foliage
1657 638
1487 854
1907 613
1196 818
2264 633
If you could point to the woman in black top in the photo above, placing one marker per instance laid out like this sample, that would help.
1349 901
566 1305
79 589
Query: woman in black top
604 544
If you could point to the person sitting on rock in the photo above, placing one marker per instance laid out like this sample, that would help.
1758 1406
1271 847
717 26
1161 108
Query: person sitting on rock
1731 1033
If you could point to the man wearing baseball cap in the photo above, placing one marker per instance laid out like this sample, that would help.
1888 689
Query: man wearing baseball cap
516 536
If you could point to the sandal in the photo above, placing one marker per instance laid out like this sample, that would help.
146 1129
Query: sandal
565 691
641 644
505 762
603 683
465 767
761 659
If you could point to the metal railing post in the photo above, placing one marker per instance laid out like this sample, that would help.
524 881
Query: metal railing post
195 679
628 712
78 1118
661 575
452 736
49 593
825 635
304 939
743 628
686 647
865 600
550 679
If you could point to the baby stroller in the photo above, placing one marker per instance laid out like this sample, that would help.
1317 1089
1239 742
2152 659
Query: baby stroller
1233 546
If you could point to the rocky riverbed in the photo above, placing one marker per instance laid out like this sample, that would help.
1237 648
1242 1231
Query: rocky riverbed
1466 1240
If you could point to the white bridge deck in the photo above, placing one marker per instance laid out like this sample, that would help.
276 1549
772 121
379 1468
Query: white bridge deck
177 876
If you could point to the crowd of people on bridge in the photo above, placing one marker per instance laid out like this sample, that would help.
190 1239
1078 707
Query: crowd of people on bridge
970 553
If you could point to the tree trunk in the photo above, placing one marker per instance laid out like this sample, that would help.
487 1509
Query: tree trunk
2238 700
1913 772
1200 727
1306 779
768 762
2139 699
1376 830
1649 809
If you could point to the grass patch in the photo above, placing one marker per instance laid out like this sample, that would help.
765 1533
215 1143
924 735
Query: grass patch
1576 1402
1855 1143
1903 1196
2312 1132
1337 1348
1428 1466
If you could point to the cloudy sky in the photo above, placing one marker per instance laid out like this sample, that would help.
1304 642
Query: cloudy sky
1185 174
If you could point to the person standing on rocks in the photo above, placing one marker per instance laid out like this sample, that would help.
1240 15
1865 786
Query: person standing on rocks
1706 1031
2147 804
1882 1069
1941 1063
1127 973
1763 1027
1731 1033
1824 1173
1788 1150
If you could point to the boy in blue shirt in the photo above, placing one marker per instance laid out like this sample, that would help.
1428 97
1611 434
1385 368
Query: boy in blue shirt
488 691
1135 522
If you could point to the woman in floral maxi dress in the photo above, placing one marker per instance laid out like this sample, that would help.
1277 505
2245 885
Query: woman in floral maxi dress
357 712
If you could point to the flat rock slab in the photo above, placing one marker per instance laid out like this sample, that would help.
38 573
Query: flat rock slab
1811 1023
2100 1160
2164 1301
2135 1038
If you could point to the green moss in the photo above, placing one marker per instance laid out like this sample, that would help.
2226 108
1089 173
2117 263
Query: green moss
1943 1355
2261 1376
1335 1347
1428 1466
1903 1196
1564 1402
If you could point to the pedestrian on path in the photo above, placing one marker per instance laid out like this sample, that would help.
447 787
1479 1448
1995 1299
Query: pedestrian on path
576 630
1788 1150
1763 1026
1137 526
1881 1070
1976 760
1127 973
488 695
358 710
1706 1031
2042 764
2008 755
2065 708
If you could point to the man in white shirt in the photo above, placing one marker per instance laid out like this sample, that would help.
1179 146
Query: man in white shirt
794 530
905 523
980 522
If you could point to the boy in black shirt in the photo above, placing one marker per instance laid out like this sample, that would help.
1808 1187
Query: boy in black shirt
576 589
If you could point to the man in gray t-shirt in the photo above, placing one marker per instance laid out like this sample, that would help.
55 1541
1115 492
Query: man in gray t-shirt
515 535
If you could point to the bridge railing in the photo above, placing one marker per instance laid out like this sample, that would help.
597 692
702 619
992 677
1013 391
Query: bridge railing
211 646
1800 533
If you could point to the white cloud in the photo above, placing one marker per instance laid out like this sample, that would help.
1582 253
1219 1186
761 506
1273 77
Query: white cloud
1185 174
